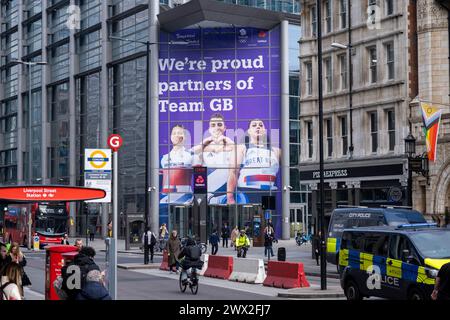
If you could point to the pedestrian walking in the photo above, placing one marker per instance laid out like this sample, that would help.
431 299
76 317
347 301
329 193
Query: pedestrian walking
268 240
18 257
442 285
79 244
11 283
225 235
163 236
65 240
151 242
234 235
92 233
316 246
173 248
110 229
94 288
214 241
242 244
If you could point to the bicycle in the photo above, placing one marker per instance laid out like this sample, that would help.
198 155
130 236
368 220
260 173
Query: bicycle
303 238
191 281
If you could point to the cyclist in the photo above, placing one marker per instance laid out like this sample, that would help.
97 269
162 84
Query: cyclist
190 255
242 244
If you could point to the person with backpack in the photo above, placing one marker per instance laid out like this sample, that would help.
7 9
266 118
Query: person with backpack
11 283
85 261
93 288
152 239
190 258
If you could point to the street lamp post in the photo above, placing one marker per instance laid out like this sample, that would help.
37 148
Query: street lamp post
323 262
410 150
29 64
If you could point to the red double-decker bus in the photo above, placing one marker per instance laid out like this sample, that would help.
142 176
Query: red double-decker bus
48 220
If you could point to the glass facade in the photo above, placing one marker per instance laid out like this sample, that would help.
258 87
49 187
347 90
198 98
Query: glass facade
47 134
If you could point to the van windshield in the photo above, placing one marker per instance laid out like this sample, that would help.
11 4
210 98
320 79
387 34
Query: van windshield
343 221
398 217
433 245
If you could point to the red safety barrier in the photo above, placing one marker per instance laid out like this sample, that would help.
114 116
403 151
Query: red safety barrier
285 275
165 262
219 267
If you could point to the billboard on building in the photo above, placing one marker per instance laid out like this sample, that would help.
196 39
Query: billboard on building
219 108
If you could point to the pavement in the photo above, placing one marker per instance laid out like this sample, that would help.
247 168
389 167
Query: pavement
294 253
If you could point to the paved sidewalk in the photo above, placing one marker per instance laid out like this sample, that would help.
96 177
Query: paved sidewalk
294 253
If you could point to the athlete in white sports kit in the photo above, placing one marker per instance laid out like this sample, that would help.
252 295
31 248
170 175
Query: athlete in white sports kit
177 170
214 153
256 167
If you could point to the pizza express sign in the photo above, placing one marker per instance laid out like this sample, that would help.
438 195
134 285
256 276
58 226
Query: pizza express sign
373 171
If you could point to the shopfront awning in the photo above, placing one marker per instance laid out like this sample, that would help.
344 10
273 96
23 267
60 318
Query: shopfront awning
212 13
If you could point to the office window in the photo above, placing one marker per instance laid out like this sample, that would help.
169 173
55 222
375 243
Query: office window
389 7
329 126
328 74
343 13
328 16
344 135
313 21
391 129
374 131
373 64
309 129
390 61
309 77
343 69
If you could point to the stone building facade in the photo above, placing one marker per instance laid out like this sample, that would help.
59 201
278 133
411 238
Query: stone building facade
384 59
433 197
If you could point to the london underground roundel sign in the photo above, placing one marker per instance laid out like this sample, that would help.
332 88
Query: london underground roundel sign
50 193
115 141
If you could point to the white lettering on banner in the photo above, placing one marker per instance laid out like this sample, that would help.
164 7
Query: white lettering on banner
359 215
216 64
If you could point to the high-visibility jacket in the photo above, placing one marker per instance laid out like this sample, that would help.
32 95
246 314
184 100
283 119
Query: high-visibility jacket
242 241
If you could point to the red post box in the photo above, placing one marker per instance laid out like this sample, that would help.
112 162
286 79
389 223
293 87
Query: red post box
54 260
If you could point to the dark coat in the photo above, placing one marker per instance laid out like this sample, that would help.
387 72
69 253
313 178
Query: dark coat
173 247
214 238
191 255
4 263
225 232
268 239
93 291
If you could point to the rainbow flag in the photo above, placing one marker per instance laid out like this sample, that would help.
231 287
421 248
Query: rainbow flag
431 118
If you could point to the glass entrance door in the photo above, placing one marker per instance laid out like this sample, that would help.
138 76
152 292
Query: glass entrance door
218 215
300 220
182 219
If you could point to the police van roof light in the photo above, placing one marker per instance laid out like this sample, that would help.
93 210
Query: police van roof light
416 225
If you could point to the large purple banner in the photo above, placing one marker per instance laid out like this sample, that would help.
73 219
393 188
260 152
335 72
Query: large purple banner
220 108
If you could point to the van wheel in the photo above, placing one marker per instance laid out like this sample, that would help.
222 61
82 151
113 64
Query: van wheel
352 291
416 294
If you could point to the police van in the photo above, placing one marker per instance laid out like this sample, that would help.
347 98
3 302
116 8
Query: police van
392 262
354 217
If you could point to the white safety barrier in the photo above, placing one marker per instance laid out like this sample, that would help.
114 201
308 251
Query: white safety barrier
205 263
248 270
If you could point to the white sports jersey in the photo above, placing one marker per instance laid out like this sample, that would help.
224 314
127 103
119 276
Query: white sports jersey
177 171
218 164
259 169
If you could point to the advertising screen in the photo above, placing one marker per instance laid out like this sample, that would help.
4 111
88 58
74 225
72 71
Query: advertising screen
219 108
